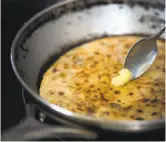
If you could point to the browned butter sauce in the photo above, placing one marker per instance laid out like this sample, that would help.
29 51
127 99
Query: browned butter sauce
80 81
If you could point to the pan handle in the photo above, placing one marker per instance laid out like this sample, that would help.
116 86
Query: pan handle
32 129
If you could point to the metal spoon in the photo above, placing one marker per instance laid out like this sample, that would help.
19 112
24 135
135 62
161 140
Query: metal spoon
142 54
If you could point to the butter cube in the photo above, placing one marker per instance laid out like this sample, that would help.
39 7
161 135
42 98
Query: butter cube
124 76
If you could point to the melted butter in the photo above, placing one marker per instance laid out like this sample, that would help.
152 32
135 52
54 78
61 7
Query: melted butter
124 77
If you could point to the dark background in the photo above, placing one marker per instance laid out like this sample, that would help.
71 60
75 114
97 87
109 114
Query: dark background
14 14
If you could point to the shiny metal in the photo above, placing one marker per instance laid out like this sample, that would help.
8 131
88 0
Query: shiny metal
142 55
31 129
48 37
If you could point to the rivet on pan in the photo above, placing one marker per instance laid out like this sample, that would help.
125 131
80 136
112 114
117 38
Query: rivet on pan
41 117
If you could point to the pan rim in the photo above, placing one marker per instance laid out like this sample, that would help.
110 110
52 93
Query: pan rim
119 125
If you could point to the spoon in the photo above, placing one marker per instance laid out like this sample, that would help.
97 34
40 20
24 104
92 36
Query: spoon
142 54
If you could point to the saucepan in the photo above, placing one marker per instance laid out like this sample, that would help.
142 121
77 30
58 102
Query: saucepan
57 29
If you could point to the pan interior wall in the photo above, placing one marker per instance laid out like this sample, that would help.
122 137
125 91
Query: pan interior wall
72 27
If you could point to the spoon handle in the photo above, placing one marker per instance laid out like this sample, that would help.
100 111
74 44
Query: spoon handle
159 33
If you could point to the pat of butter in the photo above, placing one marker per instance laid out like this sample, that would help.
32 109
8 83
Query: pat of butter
124 76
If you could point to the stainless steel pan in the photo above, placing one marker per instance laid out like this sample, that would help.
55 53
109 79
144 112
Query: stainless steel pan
56 29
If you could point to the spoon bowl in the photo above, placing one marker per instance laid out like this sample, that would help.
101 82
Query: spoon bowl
142 55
